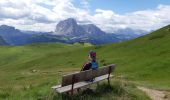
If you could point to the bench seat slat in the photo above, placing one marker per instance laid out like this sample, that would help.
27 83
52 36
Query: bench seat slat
79 84
55 87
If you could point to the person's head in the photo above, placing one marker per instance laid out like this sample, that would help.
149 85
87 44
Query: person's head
92 55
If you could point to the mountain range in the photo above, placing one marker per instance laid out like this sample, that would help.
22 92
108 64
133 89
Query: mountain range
2 41
17 37
67 31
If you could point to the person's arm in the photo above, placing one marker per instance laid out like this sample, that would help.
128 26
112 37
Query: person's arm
83 67
86 66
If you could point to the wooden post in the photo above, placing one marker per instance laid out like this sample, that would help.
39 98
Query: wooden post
109 75
73 81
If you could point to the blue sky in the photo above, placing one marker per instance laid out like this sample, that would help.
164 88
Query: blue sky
123 6
109 15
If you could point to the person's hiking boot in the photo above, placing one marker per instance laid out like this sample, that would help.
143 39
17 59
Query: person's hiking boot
91 80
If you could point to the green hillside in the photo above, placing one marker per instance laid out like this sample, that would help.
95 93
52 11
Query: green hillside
30 71
145 59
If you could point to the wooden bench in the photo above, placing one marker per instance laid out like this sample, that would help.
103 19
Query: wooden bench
77 80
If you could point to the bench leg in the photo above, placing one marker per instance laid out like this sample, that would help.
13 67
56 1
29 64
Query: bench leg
73 81
109 76
72 92
108 80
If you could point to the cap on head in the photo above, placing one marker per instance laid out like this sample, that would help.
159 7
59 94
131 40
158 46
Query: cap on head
92 54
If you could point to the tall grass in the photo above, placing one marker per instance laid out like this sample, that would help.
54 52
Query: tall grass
117 90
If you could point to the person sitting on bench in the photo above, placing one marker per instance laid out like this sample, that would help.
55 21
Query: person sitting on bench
92 63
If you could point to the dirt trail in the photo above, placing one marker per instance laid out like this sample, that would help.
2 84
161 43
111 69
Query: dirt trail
155 94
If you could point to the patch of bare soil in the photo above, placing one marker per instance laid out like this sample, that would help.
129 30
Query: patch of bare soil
155 94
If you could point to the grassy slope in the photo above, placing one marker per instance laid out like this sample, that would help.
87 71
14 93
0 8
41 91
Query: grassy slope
35 68
28 72
146 59
24 58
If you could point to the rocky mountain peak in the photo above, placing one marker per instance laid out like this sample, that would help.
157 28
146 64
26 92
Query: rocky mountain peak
69 27
65 27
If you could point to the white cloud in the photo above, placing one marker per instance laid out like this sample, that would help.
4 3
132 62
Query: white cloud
145 20
13 10
43 15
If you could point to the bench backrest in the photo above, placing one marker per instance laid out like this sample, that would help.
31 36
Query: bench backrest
86 75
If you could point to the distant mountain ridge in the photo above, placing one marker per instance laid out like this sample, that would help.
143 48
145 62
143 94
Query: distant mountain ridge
12 35
17 37
67 31
2 41
91 33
